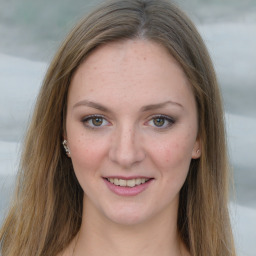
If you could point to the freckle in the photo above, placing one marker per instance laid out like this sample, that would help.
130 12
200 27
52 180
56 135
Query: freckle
145 58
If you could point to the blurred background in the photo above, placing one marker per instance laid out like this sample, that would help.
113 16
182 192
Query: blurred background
31 31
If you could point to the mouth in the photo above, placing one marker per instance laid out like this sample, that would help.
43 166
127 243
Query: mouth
129 182
124 186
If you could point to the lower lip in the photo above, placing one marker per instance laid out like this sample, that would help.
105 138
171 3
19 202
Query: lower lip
127 191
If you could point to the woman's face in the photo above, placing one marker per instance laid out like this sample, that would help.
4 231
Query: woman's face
131 130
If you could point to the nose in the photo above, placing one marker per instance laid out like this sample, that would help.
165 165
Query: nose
126 147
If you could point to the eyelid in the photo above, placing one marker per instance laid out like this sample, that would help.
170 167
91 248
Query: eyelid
171 121
90 117
167 118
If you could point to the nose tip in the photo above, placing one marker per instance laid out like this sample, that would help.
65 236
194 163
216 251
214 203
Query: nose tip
126 149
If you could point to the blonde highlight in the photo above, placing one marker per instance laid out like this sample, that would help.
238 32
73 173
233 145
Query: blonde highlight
39 223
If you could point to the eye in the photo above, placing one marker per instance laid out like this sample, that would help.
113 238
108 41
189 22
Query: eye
95 121
161 121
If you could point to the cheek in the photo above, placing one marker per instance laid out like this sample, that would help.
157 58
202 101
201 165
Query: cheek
174 152
86 153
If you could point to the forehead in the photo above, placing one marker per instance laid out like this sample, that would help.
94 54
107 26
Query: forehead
127 53
135 70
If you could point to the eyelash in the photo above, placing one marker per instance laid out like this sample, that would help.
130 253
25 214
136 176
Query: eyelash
170 121
87 119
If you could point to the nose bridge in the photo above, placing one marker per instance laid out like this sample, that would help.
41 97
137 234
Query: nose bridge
126 148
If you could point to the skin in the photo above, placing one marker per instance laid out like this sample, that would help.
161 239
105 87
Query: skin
124 77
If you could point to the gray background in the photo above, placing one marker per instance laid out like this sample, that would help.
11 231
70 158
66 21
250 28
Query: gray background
31 31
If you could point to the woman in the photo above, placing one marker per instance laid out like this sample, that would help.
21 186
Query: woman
126 153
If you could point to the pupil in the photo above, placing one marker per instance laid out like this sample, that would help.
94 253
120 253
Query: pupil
159 121
97 121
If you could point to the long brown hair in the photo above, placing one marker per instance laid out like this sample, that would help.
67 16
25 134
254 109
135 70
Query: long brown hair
46 211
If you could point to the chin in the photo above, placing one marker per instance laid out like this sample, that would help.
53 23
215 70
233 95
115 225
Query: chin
127 216
127 220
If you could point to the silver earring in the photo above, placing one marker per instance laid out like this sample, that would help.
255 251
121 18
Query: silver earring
65 145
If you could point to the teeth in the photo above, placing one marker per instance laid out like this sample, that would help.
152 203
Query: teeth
122 183
127 183
131 183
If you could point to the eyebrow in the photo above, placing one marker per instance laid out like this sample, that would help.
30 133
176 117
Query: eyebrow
91 105
160 105
143 109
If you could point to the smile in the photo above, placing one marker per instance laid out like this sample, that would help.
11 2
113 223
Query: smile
127 183
124 186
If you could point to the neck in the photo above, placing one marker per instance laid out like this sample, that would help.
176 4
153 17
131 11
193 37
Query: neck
100 236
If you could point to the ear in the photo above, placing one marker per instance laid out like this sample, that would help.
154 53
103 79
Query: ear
196 153
65 145
64 137
64 134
